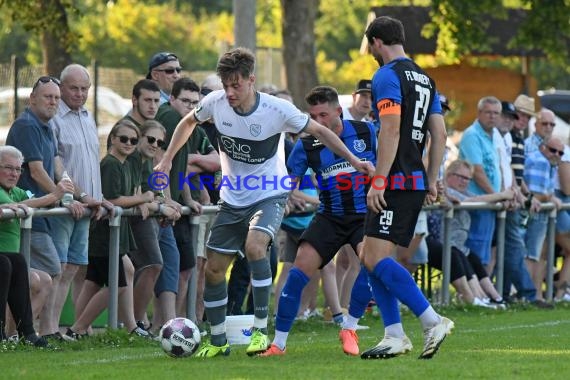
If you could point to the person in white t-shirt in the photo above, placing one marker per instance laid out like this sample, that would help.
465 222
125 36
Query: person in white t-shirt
361 102
254 186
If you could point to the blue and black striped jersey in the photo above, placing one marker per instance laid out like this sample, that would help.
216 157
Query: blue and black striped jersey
342 190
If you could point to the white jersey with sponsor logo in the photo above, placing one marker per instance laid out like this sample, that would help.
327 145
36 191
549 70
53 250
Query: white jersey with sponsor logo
251 145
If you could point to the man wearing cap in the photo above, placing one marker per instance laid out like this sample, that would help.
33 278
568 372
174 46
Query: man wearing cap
361 102
503 141
524 107
515 271
164 68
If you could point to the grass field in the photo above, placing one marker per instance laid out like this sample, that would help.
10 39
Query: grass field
519 343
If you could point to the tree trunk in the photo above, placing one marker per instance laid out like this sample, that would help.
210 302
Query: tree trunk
57 40
299 47
55 56
244 27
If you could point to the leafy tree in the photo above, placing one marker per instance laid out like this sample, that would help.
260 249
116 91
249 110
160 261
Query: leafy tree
127 33
13 38
50 19
462 26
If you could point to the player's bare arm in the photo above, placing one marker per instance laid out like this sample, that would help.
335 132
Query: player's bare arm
181 134
388 141
436 127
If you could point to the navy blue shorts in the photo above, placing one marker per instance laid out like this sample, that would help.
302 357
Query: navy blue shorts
397 222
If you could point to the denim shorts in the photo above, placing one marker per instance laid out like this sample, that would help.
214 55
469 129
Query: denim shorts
535 235
481 234
71 239
563 216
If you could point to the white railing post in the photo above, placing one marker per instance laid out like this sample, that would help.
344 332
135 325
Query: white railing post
550 237
114 241
500 259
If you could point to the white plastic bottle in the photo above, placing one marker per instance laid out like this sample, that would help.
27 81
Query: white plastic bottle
67 198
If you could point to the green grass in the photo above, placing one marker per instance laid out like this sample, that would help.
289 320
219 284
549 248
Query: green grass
520 343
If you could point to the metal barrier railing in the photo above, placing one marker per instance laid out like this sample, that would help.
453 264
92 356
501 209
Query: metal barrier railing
114 223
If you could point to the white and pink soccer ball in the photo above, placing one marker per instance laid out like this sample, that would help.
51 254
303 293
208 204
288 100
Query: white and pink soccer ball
180 337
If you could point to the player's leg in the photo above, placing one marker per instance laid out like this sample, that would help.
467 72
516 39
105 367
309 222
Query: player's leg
359 298
215 303
320 242
391 282
306 265
264 220
227 237
360 293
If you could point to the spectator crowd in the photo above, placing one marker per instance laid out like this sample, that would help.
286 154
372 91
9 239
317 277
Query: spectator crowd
53 149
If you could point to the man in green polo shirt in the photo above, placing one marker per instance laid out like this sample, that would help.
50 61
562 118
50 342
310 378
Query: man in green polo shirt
14 281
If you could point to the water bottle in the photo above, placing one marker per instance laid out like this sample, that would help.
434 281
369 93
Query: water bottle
525 212
524 218
67 198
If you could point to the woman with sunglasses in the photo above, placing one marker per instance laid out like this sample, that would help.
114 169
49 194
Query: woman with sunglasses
118 187
148 259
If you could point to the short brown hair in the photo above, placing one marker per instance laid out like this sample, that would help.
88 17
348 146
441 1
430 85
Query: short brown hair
236 62
322 94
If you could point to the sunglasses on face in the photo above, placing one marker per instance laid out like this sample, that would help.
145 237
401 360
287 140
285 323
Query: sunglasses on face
556 151
151 140
125 139
170 71
46 79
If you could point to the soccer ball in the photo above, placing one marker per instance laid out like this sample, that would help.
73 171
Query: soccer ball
180 337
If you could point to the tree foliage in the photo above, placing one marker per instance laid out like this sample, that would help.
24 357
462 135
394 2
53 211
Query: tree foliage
50 19
461 26
125 33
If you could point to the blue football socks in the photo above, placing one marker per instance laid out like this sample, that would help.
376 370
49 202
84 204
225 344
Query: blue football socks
290 299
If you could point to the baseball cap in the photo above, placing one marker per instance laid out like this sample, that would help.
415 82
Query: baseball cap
363 86
509 109
160 58
525 104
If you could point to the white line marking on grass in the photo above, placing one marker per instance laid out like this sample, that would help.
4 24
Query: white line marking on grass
117 358
516 327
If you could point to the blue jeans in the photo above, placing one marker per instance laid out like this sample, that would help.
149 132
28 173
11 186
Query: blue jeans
515 271
168 279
